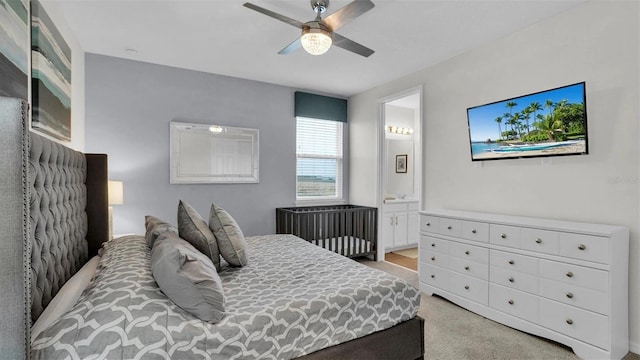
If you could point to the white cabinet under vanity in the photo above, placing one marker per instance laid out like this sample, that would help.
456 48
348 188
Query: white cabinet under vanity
400 223
565 281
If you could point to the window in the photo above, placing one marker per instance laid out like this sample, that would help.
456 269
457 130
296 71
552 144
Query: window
319 159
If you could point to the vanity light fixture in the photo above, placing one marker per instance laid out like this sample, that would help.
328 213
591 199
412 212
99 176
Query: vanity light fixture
216 129
399 130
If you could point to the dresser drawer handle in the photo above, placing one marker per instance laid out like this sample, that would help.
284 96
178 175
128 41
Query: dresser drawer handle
504 236
467 268
538 241
569 274
582 246
467 252
433 258
449 227
428 224
473 231
433 276
511 262
570 295
433 244
466 287
511 279
569 321
510 302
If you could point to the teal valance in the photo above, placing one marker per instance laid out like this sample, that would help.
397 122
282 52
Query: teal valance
320 107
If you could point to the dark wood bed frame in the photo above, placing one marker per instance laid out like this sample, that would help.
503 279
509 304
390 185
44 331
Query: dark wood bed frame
403 341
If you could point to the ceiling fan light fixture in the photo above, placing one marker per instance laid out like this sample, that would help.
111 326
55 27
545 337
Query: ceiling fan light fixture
316 41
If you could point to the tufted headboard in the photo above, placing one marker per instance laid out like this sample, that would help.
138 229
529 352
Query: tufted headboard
53 218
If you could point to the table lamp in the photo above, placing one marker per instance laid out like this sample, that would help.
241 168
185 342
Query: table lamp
116 197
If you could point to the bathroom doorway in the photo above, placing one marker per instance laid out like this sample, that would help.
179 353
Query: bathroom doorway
400 172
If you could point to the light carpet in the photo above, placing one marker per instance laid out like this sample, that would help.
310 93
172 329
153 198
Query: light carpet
452 332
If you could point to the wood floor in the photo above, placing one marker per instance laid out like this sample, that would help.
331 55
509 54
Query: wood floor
409 263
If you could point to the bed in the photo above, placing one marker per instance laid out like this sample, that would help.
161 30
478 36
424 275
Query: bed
349 230
55 220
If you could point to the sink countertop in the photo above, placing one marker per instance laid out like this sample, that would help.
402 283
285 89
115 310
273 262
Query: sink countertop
400 201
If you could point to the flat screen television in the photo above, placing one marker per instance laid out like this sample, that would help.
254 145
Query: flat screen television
546 123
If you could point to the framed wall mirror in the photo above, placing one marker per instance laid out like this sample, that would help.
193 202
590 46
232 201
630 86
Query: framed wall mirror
210 154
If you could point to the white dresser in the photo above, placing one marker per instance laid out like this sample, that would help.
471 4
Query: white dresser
564 281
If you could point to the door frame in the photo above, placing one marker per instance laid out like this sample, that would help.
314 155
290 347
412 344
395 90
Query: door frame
382 154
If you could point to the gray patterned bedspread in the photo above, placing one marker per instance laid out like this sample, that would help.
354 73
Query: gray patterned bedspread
292 299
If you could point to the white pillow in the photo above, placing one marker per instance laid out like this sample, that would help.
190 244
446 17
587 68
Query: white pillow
66 297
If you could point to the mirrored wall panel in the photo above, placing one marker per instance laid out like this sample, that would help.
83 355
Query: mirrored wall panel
203 153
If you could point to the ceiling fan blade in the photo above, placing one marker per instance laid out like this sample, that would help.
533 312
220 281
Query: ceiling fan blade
345 14
343 42
295 45
274 15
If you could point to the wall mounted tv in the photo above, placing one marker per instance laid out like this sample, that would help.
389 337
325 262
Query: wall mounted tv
547 123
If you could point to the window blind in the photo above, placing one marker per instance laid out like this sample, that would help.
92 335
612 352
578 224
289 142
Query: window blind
319 159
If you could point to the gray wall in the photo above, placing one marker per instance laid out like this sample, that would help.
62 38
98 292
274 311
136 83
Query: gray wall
129 105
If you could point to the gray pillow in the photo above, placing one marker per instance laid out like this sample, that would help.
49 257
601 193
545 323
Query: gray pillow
229 236
187 277
193 228
154 227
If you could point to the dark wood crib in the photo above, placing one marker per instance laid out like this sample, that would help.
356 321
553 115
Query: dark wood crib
349 230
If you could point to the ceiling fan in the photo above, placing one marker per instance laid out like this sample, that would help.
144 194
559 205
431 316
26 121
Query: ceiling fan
318 35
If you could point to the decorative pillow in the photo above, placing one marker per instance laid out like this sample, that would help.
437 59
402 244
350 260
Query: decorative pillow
154 227
187 277
193 228
228 235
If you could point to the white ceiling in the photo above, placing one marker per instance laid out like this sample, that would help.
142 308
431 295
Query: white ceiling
223 37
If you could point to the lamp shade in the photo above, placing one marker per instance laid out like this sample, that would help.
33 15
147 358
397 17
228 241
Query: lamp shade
116 193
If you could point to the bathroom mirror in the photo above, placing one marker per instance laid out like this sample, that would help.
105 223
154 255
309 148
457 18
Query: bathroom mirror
203 153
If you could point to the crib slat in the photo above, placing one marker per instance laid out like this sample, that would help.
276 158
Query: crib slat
337 224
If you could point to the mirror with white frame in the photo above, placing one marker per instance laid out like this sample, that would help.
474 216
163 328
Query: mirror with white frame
204 153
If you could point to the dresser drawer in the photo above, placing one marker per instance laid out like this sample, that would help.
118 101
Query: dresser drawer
585 247
469 252
476 231
514 279
467 267
469 287
429 223
520 263
575 275
580 324
434 258
543 241
514 302
504 235
434 276
431 244
581 297
450 227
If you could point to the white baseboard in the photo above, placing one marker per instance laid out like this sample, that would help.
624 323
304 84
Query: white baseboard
634 347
